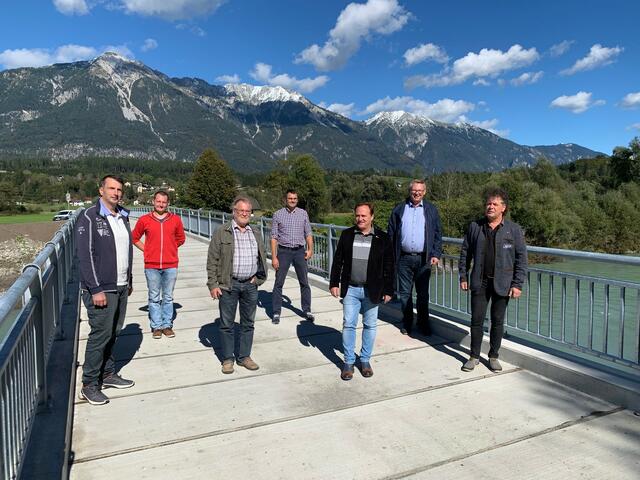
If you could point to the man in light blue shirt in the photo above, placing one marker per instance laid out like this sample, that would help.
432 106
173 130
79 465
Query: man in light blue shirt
414 227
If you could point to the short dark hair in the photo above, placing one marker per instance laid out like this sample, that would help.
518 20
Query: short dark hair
117 179
291 190
161 192
364 204
497 192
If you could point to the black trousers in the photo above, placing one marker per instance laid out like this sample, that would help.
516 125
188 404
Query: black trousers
479 302
413 271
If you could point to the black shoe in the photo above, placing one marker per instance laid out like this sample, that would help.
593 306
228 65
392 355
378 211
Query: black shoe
276 319
93 395
347 372
309 316
116 381
405 331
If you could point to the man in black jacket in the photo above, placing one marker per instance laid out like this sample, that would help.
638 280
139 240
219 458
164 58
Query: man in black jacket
362 274
105 253
414 227
499 255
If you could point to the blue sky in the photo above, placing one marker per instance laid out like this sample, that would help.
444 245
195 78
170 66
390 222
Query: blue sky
537 73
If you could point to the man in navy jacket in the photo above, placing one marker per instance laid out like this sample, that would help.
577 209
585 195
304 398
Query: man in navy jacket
499 254
105 253
414 228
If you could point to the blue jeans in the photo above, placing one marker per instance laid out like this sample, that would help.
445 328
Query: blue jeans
244 294
356 300
160 283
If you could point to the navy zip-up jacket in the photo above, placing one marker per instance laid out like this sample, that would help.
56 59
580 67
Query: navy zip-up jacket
510 268
96 250
432 233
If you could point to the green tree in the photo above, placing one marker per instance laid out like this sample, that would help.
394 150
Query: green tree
625 163
212 184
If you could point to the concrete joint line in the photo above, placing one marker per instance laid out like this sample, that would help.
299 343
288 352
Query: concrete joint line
292 418
567 424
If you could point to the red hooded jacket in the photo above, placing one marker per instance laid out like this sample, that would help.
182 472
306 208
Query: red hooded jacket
161 239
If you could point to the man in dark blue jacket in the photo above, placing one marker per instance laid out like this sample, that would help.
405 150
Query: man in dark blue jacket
499 254
414 227
105 252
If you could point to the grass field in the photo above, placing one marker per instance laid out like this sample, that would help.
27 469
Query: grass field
26 218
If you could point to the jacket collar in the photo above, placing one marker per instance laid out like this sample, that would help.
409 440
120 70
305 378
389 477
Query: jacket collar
104 211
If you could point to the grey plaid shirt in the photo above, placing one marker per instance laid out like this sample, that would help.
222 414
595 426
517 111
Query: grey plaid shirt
245 253
290 229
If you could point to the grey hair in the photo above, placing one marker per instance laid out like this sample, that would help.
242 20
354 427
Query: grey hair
239 199
417 180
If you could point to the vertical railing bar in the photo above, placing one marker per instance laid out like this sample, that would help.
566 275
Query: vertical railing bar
563 312
605 326
539 297
577 313
622 313
550 315
591 307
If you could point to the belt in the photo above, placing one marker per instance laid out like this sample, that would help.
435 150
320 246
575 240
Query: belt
357 285
244 280
413 254
290 248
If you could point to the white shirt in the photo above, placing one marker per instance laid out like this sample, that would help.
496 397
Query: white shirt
121 238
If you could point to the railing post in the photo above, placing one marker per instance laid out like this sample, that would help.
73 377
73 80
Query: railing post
329 250
36 296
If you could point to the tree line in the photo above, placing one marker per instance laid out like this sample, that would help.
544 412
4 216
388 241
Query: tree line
590 204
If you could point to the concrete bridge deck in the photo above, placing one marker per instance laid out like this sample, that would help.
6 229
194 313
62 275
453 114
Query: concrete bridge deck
418 417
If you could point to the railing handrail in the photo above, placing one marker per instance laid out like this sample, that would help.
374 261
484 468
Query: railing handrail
30 317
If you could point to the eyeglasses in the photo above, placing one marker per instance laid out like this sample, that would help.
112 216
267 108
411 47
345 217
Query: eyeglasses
418 192
243 212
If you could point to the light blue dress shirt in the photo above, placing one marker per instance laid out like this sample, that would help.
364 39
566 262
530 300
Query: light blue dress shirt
412 231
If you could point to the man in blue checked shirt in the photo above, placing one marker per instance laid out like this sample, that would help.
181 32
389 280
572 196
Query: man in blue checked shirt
414 227
290 233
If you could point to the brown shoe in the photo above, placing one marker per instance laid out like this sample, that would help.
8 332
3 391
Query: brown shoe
248 363
168 332
347 372
157 334
366 370
227 366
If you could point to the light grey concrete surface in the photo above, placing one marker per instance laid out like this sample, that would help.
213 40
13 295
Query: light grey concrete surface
419 416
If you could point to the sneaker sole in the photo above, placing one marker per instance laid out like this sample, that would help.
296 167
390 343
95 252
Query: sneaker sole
92 402
119 387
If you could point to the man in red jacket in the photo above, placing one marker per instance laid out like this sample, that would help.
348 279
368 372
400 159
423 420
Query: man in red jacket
163 233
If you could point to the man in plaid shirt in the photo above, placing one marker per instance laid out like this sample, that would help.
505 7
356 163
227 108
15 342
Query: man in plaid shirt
236 265
290 232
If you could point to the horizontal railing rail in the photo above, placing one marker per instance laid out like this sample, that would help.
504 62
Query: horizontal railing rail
29 322
594 315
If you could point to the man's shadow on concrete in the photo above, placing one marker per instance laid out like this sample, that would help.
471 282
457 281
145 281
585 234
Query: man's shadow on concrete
127 344
326 339
210 337
176 306
265 301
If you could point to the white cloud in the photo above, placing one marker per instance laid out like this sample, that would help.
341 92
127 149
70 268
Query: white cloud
578 103
445 110
171 9
482 82
344 109
38 57
560 48
635 126
423 52
487 63
149 44
631 100
355 23
235 78
598 56
71 7
262 72
526 78
197 31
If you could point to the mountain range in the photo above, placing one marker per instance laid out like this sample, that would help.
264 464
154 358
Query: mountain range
113 106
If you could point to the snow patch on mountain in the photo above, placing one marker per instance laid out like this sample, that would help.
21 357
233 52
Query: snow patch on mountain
256 95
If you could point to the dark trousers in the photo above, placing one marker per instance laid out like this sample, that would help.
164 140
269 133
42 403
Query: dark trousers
479 302
246 295
286 257
413 270
105 322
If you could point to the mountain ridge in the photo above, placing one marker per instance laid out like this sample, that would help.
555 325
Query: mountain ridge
113 106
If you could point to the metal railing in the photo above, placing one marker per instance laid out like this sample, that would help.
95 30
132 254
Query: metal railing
590 315
30 321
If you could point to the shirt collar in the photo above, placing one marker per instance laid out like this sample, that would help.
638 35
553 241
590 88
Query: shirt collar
237 227
105 212
411 205
371 232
